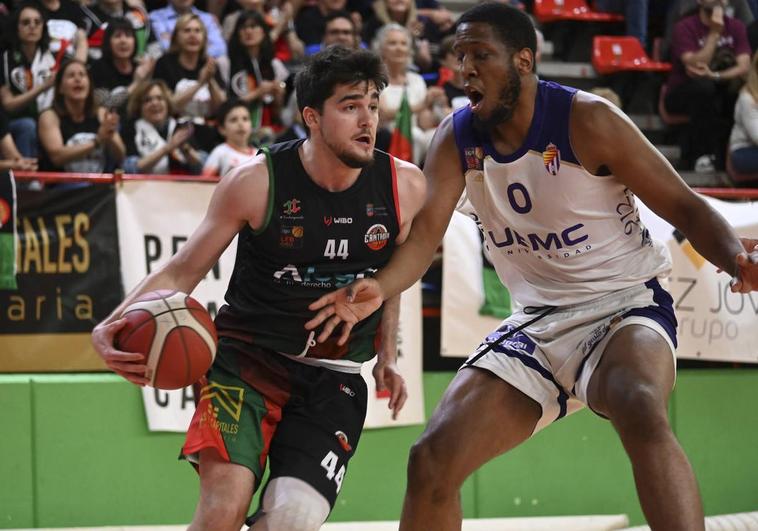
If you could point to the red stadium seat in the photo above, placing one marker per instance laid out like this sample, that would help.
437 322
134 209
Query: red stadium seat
622 54
556 10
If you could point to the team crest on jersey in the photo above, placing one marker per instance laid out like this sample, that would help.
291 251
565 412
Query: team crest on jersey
474 158
551 157
376 237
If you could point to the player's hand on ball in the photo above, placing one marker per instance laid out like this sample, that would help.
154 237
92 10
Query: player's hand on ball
388 377
346 305
747 266
128 365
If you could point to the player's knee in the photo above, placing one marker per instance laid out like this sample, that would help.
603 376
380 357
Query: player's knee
215 512
638 408
426 460
292 504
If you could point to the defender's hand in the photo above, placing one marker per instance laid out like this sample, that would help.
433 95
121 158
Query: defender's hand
747 268
346 305
387 376
128 365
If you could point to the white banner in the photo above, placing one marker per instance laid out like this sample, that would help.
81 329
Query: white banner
714 324
155 219
409 362
463 328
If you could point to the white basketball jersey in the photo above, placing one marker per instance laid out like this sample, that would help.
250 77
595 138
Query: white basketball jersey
556 234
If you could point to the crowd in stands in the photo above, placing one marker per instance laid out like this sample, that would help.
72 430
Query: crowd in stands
193 87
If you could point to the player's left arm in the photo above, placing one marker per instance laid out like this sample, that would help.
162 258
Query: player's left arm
603 136
385 372
411 191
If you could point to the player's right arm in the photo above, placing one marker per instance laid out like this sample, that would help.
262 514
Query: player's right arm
241 197
410 260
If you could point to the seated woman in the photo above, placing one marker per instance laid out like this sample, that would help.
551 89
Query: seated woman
192 77
26 76
394 45
279 16
257 77
155 143
75 134
742 161
117 72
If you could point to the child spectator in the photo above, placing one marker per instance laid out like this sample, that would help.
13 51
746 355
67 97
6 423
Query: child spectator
234 125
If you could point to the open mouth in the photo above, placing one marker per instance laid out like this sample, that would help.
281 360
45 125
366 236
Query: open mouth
474 96
363 139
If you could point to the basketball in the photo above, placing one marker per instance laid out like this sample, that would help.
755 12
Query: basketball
174 332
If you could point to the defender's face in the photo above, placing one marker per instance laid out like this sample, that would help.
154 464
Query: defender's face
348 123
490 78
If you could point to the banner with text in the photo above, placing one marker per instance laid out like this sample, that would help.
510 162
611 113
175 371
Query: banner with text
714 324
67 279
154 220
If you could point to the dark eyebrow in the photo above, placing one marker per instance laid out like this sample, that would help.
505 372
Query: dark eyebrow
354 96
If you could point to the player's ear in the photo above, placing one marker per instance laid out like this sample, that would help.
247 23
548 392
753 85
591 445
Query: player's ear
524 61
310 117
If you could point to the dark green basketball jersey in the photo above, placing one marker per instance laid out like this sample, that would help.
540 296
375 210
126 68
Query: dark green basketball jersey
312 242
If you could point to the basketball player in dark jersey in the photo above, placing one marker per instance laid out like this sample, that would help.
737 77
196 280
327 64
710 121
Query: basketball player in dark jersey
312 215
597 329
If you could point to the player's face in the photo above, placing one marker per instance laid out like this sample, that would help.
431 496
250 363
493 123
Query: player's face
348 123
490 78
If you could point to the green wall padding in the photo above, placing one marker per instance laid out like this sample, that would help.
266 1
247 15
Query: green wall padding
77 452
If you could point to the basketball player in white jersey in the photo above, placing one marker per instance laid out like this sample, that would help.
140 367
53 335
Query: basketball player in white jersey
551 173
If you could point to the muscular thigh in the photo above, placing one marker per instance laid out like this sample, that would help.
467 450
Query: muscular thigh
637 357
479 417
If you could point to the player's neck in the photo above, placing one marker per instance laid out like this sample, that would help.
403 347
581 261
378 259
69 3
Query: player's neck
509 136
325 168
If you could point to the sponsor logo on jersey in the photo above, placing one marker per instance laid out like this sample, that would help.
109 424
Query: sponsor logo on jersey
342 438
328 220
474 158
226 397
291 237
373 210
551 158
345 389
291 207
291 275
376 237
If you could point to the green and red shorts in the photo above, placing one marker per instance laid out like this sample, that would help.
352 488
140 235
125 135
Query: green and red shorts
256 405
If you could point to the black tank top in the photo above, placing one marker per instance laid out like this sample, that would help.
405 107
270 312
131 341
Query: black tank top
76 133
312 242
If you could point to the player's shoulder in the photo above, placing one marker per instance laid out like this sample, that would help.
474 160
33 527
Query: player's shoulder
594 115
251 174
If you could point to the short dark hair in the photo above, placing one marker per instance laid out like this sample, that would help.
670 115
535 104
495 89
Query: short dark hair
226 108
336 65
514 27
340 13
116 24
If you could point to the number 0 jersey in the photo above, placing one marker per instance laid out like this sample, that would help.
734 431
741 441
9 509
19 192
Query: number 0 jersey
312 242
556 234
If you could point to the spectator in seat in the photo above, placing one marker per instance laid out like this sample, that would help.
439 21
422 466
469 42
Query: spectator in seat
287 45
197 87
117 72
164 21
743 142
310 22
710 52
26 76
99 14
65 25
257 77
340 29
76 135
155 142
235 126
394 45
